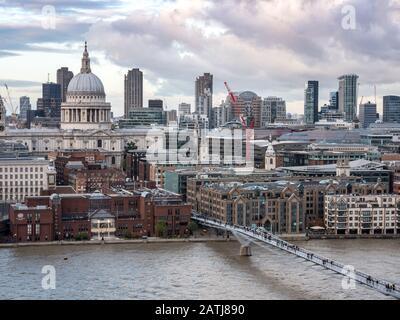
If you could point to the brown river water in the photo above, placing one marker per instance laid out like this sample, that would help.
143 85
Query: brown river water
209 270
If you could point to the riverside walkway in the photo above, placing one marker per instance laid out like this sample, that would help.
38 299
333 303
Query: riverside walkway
382 286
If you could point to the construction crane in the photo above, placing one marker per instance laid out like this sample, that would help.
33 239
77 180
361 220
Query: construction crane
13 110
362 98
248 121
245 124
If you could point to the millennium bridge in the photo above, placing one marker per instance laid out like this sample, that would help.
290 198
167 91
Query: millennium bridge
246 235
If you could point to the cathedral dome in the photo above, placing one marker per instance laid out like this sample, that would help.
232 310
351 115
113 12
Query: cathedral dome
85 83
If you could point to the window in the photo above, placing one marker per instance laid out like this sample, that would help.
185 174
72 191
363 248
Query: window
99 143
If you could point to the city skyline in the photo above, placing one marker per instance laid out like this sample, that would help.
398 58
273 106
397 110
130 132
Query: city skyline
181 42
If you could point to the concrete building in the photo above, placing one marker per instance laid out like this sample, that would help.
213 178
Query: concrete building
25 176
348 96
204 95
391 109
311 100
362 214
184 109
367 114
221 115
133 91
273 110
64 76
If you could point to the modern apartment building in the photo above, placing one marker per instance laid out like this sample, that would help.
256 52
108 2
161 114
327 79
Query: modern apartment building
362 214
348 96
311 96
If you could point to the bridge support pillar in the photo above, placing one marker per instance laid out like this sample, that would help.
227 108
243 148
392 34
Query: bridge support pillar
245 251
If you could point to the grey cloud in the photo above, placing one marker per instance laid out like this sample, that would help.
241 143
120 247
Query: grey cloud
4 54
19 83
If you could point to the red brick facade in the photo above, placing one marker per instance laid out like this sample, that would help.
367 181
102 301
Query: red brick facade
65 216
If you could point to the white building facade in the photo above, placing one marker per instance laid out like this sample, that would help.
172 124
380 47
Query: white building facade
365 214
24 177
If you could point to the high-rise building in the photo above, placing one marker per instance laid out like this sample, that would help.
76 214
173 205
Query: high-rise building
348 96
203 95
24 107
50 103
273 110
367 114
311 102
133 90
221 115
156 103
391 109
64 76
334 100
184 109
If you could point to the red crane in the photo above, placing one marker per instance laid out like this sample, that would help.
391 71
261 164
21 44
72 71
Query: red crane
244 120
245 124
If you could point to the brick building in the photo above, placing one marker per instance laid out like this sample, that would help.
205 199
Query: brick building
285 206
97 215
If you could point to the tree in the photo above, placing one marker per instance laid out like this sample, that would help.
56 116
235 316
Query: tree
161 229
131 146
192 227
82 236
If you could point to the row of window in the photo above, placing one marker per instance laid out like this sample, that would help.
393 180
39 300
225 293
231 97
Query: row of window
21 169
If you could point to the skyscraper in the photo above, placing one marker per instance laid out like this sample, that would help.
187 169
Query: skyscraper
348 96
184 109
50 103
63 78
273 110
203 95
311 102
133 90
334 100
367 114
24 107
391 109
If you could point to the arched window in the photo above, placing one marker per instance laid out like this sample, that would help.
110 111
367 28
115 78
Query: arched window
113 160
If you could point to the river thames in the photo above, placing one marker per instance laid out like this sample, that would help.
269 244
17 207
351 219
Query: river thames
206 270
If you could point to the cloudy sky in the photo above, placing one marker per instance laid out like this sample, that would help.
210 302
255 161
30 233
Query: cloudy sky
268 46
